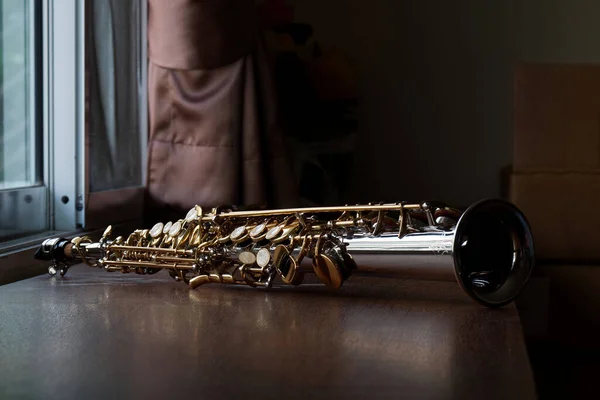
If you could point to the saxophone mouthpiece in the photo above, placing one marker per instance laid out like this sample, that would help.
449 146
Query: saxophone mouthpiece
54 249
58 252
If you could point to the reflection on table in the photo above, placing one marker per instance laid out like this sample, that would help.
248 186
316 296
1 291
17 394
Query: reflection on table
98 335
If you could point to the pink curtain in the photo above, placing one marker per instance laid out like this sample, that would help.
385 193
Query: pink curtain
214 136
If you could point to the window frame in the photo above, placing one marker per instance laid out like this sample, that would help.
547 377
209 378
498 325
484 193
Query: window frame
63 111
71 209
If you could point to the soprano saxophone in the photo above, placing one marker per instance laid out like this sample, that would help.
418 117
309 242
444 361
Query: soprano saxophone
488 248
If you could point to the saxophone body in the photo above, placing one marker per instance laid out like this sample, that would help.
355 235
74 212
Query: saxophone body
487 248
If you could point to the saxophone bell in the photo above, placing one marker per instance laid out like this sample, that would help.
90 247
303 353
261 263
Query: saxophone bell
493 252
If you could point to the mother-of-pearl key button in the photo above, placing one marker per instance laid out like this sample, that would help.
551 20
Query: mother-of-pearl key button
175 229
273 232
263 257
156 230
167 227
191 215
258 230
238 232
247 257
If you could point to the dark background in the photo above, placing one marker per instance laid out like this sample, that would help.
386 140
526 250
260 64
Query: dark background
436 84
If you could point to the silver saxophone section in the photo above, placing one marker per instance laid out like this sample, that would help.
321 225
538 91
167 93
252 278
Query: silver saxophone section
422 254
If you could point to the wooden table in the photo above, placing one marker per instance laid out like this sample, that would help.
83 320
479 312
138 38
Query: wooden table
98 335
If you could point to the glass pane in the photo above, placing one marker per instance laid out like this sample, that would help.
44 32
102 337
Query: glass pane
114 67
22 198
19 149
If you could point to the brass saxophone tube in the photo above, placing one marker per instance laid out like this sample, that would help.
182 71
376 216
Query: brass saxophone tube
488 249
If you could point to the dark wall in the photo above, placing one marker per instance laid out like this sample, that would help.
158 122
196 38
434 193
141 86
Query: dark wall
437 84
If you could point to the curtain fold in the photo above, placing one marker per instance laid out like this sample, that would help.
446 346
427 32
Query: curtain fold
214 137
113 66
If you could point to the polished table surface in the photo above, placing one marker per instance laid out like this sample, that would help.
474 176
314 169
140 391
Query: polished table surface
98 335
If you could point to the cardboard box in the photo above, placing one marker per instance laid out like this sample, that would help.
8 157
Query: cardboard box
562 208
557 117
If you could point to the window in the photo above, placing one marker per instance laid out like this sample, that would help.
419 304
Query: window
22 196
73 125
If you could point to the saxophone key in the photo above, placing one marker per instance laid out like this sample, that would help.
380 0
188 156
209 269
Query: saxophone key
329 270
263 257
247 257
193 214
198 281
349 265
287 232
259 232
175 229
274 232
286 266
239 234
167 227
